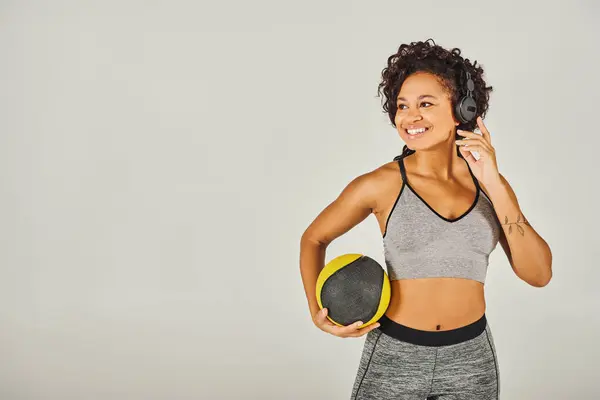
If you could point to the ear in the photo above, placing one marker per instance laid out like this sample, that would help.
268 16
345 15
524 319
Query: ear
455 120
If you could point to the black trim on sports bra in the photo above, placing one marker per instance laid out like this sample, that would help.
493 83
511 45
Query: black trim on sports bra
477 190
387 221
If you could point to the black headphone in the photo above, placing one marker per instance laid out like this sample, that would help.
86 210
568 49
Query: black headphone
466 108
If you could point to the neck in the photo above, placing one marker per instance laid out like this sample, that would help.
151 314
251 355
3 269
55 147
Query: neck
441 162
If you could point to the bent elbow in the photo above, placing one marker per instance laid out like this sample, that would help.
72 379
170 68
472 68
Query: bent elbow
542 281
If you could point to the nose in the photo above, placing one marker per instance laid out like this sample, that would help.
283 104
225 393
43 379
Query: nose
414 114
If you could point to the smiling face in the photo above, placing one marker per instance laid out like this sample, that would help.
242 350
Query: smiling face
424 116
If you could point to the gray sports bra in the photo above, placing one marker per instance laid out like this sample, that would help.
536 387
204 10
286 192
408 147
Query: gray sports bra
420 243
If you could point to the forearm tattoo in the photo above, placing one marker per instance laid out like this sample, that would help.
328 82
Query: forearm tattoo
519 227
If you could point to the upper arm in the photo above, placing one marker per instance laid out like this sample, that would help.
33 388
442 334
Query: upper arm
353 205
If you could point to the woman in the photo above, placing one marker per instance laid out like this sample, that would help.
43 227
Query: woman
441 212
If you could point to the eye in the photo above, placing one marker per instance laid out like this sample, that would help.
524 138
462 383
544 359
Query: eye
426 102
400 106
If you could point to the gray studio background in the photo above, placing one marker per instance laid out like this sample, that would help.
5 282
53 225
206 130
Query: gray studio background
160 161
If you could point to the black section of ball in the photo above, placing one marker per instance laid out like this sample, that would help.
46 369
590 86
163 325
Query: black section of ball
353 293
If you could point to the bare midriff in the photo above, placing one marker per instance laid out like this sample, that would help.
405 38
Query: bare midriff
436 304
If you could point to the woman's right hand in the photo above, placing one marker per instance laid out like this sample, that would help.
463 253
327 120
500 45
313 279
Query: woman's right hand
352 330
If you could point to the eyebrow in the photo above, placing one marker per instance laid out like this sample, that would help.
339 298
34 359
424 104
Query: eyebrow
420 97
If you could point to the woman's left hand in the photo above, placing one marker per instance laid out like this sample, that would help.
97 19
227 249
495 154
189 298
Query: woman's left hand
485 169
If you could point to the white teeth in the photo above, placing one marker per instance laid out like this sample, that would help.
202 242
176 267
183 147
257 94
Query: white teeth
416 131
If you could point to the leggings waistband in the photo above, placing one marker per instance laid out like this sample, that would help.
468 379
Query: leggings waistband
432 338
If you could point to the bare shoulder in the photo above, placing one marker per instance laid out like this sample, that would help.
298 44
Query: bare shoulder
374 185
386 177
359 198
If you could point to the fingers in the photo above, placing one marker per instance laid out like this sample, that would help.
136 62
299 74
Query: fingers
484 131
473 142
470 135
467 154
321 318
484 136
363 331
352 330
322 322
482 150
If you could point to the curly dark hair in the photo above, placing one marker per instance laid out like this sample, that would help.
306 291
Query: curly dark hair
448 65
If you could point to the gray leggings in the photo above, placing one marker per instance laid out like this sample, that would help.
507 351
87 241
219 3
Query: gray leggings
402 363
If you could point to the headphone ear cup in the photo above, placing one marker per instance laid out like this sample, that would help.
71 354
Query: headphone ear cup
466 109
457 111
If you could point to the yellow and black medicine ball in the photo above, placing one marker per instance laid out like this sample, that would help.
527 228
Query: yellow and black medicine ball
353 287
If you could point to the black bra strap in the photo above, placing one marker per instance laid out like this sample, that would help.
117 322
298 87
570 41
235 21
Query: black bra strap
402 169
473 176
